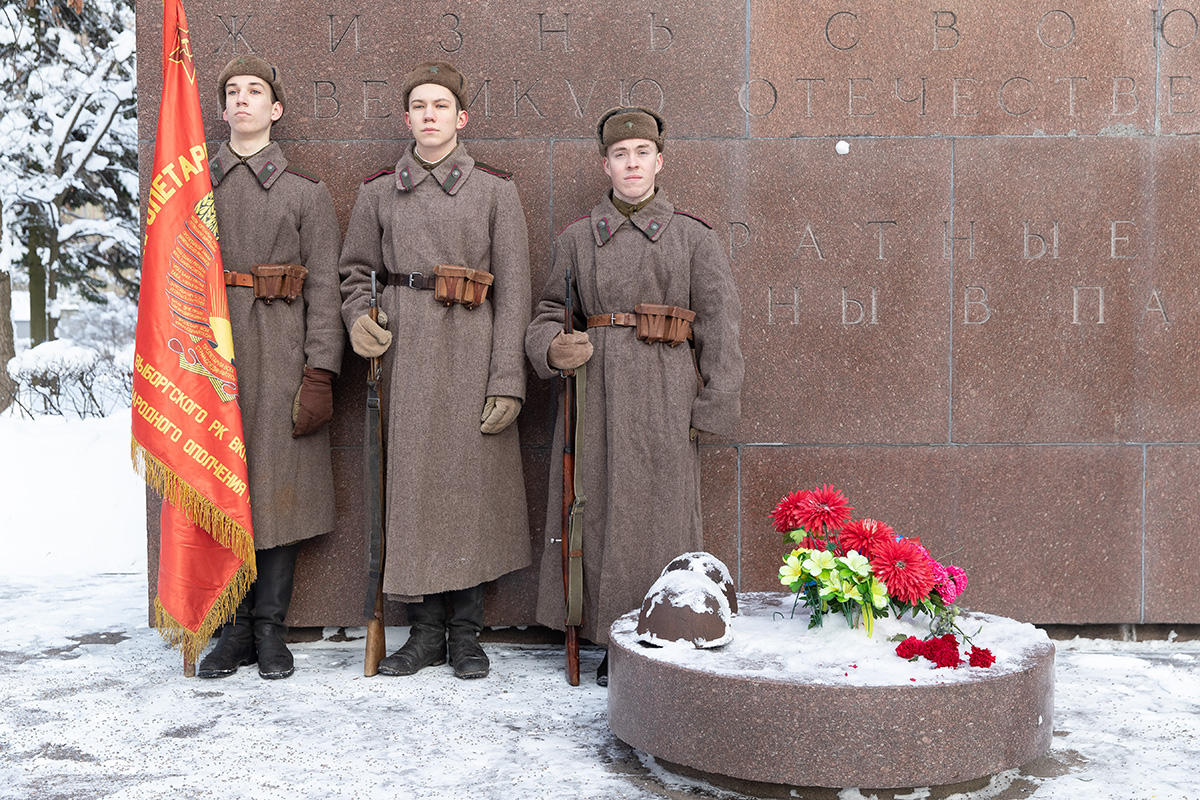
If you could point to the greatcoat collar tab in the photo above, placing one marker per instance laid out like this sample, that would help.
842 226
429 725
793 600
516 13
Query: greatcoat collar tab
451 174
266 165
651 220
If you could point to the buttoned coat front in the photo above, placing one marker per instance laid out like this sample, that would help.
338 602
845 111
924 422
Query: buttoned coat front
268 214
456 511
639 465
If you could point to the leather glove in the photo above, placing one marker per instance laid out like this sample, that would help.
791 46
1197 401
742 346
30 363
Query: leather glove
313 407
569 350
499 412
693 433
370 340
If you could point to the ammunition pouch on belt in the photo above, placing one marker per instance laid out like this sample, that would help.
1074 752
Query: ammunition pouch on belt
275 281
468 287
271 281
670 325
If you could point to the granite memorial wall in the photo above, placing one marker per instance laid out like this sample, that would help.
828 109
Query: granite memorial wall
979 322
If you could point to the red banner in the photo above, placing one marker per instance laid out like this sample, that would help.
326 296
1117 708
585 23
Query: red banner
187 426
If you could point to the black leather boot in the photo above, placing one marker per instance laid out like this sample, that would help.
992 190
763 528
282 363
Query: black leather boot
602 671
235 646
426 645
272 597
466 621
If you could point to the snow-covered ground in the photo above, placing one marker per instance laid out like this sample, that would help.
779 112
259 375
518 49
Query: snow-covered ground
93 705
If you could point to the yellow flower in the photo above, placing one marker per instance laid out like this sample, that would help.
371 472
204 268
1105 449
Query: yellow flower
791 571
819 561
849 591
879 595
858 564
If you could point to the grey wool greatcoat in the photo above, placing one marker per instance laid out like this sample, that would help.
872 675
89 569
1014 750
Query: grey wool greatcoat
640 468
456 511
270 214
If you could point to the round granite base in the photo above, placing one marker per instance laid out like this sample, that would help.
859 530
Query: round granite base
724 719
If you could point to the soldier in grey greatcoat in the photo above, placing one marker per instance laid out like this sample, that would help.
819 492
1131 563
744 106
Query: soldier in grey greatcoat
646 400
454 372
279 245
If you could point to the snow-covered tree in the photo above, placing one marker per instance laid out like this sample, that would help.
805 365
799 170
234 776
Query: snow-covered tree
68 150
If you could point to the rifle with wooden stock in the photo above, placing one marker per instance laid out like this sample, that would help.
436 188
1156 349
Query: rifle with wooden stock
573 501
373 446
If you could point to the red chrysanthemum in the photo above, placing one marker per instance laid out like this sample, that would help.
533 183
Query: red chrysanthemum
865 536
981 657
787 513
904 567
824 508
910 647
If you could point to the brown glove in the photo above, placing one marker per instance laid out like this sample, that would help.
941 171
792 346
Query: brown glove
313 407
499 412
368 338
569 350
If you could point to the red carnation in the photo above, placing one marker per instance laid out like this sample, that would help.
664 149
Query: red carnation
865 536
824 508
810 543
981 657
904 567
910 647
943 651
787 512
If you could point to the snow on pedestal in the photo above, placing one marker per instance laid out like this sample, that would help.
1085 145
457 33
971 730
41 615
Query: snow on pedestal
829 706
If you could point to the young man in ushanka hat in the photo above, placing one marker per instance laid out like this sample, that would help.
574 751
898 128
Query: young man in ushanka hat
446 236
636 260
279 245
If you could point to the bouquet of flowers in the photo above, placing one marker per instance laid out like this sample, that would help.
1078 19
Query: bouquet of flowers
863 570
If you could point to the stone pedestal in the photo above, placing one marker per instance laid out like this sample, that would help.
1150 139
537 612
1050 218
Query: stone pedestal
717 715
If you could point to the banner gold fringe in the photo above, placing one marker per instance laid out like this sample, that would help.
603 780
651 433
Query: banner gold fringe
198 508
192 643
223 529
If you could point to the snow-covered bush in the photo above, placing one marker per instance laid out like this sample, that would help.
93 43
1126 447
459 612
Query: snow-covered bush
89 372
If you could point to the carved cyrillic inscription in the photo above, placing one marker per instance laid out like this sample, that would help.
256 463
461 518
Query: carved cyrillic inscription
854 312
975 306
949 239
336 25
375 103
234 27
739 237
661 36
325 102
808 240
1036 244
1155 306
883 224
452 41
543 31
773 304
1087 305
946 34
1119 246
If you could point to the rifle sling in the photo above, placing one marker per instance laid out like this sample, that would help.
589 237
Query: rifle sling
575 534
374 478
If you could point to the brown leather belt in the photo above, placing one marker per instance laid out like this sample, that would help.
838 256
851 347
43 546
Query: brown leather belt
238 278
620 319
413 280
